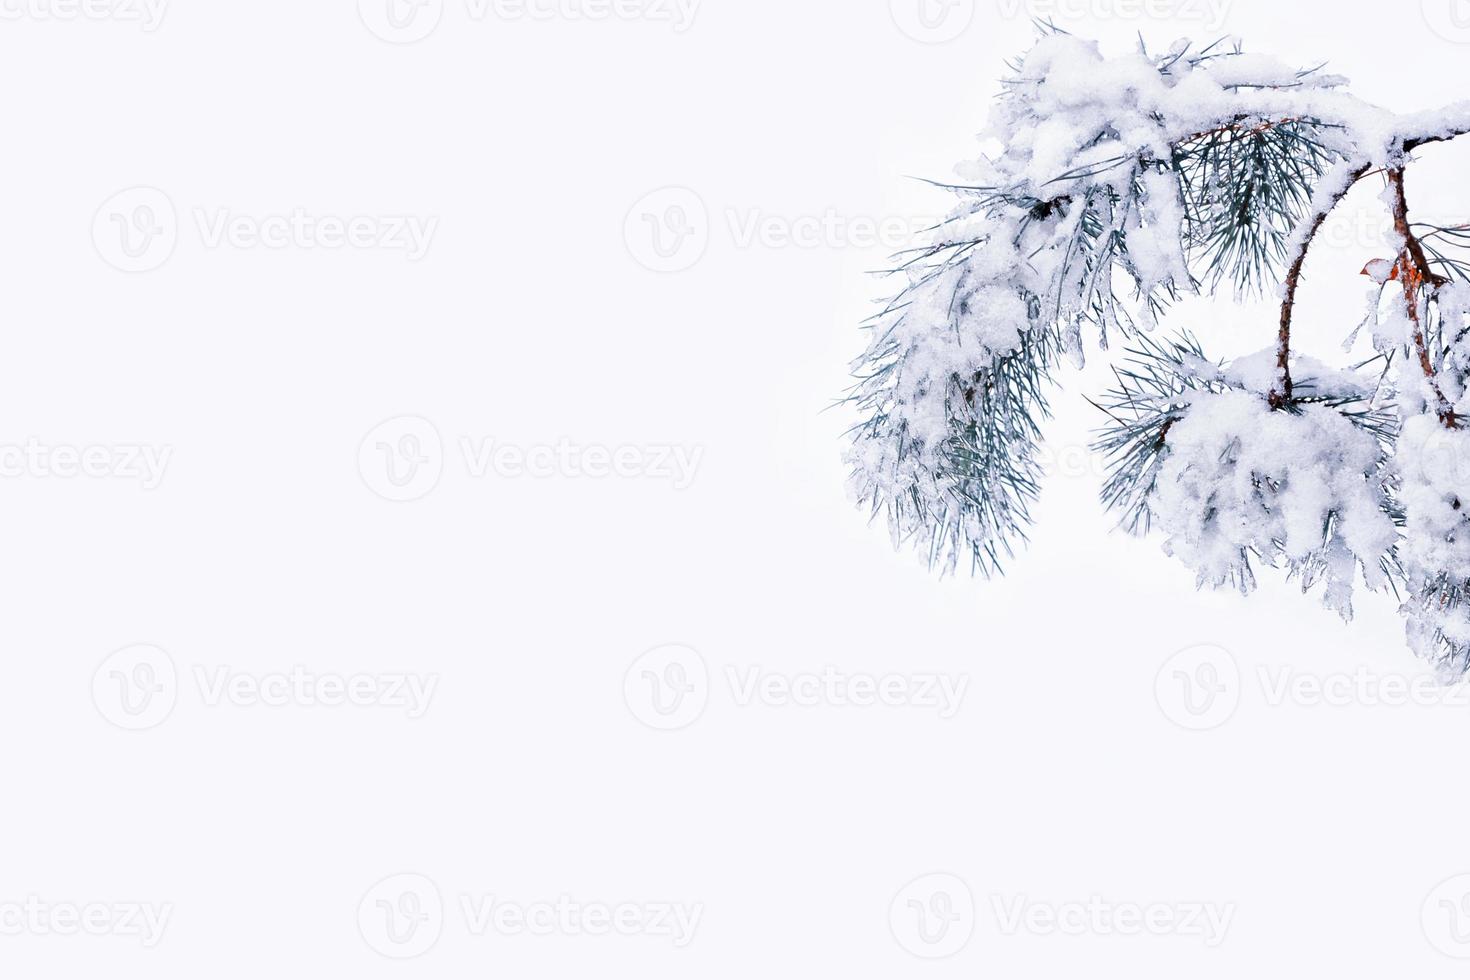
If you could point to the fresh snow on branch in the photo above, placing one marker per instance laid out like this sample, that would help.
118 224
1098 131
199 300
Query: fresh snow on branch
1123 183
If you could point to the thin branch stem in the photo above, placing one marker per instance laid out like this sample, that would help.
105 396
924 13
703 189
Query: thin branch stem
1413 273
1280 394
1281 391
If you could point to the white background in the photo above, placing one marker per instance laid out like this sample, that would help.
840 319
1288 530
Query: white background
530 321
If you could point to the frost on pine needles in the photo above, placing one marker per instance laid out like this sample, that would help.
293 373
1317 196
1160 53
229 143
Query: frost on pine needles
1436 546
1199 454
1122 183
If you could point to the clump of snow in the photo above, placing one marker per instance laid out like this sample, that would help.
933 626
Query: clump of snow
1452 301
1305 489
1259 372
1433 465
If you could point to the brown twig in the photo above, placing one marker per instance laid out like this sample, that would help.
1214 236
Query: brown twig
1280 393
1235 127
1413 272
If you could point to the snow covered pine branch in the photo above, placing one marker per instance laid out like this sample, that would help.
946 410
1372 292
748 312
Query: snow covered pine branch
1123 183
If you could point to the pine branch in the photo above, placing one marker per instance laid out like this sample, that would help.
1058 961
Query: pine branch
1415 273
1124 168
1280 394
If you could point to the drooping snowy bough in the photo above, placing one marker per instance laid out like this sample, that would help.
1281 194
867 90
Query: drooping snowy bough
1125 182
